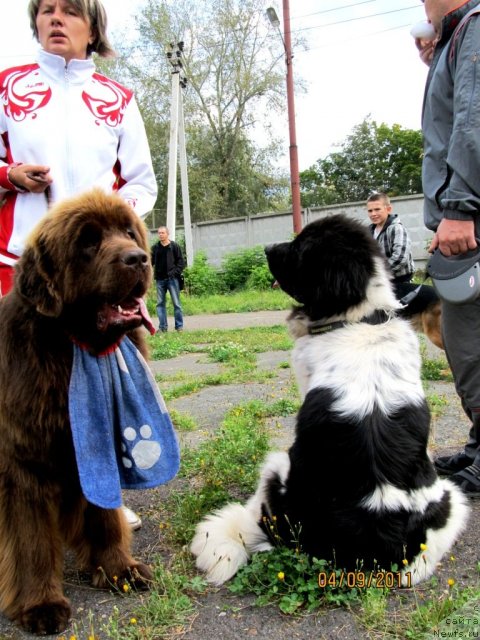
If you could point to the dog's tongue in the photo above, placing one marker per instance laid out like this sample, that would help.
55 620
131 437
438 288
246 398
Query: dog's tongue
146 320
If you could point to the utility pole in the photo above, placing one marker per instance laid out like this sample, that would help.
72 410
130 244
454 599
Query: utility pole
178 151
294 172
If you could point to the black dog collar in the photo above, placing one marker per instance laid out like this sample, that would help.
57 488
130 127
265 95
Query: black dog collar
317 328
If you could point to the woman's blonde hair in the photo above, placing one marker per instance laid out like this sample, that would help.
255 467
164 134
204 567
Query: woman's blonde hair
91 10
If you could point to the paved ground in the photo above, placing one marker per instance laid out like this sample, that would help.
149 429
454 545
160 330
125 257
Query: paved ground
232 320
220 615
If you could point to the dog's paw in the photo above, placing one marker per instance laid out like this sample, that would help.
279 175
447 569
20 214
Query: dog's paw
138 576
47 618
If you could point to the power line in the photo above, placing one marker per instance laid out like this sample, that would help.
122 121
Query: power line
346 6
350 39
372 15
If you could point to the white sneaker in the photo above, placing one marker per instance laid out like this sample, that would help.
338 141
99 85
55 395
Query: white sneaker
133 520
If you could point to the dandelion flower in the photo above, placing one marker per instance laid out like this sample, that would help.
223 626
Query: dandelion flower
281 575
450 582
423 547
452 558
133 621
405 562
125 588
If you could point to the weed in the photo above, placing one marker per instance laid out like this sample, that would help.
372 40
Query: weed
428 616
290 579
231 457
284 407
183 421
168 605
228 352
437 369
373 609
223 467
436 404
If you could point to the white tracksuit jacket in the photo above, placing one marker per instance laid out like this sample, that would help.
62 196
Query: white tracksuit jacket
84 126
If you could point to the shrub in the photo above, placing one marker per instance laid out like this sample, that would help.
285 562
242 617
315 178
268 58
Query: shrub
238 265
260 278
201 278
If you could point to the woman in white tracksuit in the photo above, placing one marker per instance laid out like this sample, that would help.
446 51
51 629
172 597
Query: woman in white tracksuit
65 128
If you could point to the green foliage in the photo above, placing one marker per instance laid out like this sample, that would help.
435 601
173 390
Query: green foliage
373 156
260 278
232 302
290 579
430 615
201 278
239 301
231 457
182 421
238 265
252 339
436 404
229 352
222 466
436 369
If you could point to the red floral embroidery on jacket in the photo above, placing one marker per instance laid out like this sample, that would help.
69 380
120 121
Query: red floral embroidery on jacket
110 103
20 97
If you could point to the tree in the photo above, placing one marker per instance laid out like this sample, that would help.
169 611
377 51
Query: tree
372 157
231 78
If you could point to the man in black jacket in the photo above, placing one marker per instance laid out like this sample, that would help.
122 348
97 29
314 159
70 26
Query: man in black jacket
168 264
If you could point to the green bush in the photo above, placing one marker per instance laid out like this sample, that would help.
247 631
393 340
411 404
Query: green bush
238 265
260 278
201 278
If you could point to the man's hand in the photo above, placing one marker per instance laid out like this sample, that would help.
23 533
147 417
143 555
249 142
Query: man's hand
454 237
425 49
31 177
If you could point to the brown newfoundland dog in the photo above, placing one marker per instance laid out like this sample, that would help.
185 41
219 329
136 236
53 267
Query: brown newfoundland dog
80 279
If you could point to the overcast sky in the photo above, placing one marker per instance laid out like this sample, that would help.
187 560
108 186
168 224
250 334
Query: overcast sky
360 59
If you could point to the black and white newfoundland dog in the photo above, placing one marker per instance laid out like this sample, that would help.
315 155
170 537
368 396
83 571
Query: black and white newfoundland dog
357 486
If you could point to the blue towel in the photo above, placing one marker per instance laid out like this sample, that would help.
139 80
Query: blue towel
122 433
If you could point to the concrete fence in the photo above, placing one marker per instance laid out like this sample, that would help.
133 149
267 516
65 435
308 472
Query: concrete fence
219 237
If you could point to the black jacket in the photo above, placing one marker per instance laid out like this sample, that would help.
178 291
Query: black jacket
174 260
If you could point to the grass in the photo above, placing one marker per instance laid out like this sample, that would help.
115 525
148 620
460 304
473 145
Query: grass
220 343
224 467
235 302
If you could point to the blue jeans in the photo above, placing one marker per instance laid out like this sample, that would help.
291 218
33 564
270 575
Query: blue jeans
170 285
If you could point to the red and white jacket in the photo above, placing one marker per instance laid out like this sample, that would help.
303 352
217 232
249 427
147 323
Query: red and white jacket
84 126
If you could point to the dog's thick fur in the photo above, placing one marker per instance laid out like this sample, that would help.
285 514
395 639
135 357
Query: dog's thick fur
429 322
87 257
357 486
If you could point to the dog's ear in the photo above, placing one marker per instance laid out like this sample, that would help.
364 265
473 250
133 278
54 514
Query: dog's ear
33 282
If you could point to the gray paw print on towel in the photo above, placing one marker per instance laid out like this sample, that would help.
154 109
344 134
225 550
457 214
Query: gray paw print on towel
145 452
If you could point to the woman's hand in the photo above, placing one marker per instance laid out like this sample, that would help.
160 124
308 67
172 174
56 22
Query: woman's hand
31 177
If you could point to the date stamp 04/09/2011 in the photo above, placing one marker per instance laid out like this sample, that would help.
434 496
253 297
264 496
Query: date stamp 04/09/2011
364 580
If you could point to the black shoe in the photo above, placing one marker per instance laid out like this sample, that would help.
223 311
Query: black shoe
468 480
448 465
